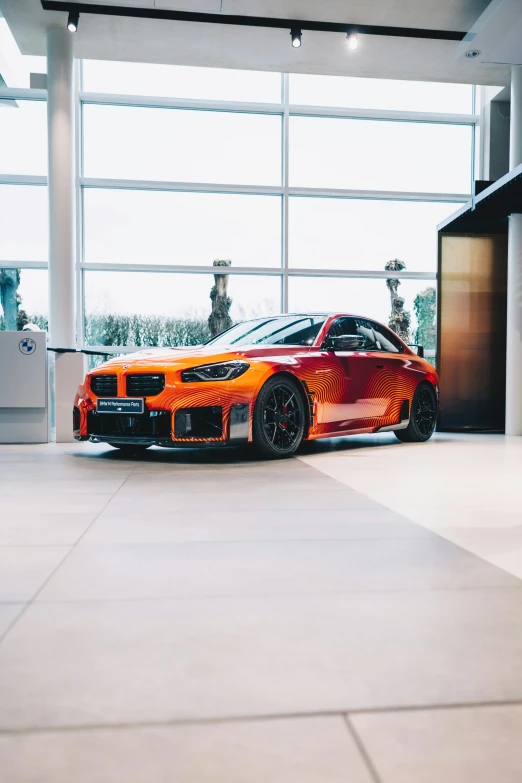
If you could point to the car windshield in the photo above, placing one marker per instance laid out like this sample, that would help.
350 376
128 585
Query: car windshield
283 330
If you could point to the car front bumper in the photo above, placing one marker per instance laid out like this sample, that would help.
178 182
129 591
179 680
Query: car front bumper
160 428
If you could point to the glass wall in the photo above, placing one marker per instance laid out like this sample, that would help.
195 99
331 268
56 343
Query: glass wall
23 206
359 154
169 227
132 142
23 192
286 176
355 93
308 185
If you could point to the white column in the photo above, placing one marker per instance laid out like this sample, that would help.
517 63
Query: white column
60 125
68 368
515 129
514 282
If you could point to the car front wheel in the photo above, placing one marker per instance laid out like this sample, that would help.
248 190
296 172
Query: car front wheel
423 416
279 418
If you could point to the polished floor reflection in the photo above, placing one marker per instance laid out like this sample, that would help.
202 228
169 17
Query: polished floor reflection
352 614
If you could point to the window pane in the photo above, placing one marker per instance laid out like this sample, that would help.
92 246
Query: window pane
154 308
163 227
24 223
23 137
368 298
25 293
378 155
332 233
357 93
127 142
181 81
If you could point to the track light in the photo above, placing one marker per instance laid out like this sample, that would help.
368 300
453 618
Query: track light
295 34
353 40
72 21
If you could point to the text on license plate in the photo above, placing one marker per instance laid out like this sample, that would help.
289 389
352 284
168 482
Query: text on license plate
120 405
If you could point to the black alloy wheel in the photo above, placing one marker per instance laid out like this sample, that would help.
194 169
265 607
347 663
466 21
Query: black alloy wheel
423 416
279 418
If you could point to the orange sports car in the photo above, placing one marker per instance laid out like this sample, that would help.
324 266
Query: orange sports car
273 382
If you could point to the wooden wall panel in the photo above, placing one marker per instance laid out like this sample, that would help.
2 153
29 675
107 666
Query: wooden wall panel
472 331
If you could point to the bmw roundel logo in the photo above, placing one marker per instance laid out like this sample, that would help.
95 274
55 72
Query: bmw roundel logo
27 346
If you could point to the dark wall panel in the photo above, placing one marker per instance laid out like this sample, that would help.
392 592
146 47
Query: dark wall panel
472 331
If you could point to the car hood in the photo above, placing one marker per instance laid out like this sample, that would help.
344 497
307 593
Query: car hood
175 358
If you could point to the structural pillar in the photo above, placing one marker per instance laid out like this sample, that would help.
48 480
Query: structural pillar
514 282
68 368
61 187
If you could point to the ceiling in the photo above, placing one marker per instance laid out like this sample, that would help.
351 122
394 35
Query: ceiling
185 43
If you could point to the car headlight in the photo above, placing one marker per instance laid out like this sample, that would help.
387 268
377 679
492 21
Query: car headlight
222 371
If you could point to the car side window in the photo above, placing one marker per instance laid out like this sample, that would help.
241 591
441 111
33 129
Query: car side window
386 339
355 326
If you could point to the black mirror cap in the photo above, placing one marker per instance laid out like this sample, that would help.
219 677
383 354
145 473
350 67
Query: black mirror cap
345 342
418 349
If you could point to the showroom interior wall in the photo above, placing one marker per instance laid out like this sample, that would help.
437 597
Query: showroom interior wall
309 184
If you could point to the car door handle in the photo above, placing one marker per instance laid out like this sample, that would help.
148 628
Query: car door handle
380 366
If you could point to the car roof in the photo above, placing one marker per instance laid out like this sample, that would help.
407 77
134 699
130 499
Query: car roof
330 314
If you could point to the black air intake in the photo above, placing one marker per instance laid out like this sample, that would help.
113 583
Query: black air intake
145 385
151 424
104 385
200 423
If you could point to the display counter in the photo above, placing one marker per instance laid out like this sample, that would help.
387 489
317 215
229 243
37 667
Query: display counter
23 387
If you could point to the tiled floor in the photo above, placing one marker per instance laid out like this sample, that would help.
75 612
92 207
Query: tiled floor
351 615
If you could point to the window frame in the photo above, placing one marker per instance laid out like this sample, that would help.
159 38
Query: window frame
284 109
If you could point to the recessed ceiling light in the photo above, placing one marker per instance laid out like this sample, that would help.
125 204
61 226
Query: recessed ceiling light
471 53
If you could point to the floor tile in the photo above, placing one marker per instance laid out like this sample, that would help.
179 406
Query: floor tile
46 489
465 488
24 569
125 662
126 572
305 750
44 528
462 745
83 503
8 613
503 548
251 525
228 482
279 500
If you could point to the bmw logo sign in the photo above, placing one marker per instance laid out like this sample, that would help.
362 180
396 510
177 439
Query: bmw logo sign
27 346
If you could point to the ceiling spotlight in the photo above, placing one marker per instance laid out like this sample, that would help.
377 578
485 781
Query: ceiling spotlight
353 40
72 21
471 53
295 34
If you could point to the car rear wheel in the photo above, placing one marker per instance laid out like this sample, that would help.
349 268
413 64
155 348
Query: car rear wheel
279 418
423 416
129 448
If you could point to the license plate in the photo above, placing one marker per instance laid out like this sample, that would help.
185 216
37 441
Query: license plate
120 405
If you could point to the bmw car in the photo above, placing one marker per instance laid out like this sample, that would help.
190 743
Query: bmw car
272 382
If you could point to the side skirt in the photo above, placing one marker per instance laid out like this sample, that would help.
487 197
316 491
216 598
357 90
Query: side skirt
403 423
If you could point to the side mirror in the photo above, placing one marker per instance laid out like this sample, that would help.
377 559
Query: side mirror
418 349
345 342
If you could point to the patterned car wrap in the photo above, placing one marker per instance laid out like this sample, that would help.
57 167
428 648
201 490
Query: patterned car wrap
346 392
